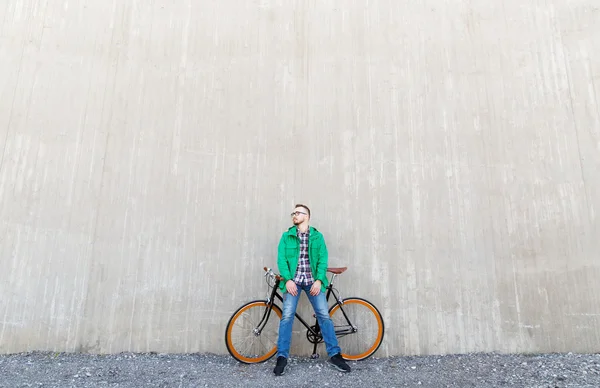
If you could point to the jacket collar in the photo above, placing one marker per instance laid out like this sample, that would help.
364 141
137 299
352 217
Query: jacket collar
292 231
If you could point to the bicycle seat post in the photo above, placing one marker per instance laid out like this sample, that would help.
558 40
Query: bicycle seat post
332 279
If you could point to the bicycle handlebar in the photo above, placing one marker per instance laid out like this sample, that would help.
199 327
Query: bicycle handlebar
270 272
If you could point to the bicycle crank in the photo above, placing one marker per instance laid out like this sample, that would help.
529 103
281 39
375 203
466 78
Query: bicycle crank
314 335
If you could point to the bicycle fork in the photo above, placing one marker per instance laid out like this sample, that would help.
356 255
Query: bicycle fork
265 318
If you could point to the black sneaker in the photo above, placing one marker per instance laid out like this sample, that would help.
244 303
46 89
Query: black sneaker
280 367
338 363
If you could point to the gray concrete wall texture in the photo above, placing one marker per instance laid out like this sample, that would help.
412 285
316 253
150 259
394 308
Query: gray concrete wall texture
151 152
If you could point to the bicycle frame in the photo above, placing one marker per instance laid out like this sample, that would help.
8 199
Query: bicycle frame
316 332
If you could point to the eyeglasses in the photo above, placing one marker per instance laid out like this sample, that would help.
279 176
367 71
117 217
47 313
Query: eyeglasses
297 213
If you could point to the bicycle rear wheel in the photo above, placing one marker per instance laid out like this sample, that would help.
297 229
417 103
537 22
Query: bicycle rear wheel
249 338
358 326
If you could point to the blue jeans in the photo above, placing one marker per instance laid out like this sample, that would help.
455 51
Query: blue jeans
319 304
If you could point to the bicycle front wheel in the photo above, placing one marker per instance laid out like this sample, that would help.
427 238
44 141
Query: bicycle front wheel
252 331
358 326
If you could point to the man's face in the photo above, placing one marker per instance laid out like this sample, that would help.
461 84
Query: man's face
299 215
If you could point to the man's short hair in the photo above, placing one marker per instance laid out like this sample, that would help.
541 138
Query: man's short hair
304 206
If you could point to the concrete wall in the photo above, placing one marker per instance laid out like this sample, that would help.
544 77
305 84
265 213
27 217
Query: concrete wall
151 151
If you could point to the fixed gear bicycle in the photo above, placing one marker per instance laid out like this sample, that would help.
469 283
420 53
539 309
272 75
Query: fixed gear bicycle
252 331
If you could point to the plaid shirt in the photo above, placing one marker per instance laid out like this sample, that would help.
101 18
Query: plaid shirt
304 275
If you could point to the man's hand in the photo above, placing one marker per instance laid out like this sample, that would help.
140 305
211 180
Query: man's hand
315 288
291 287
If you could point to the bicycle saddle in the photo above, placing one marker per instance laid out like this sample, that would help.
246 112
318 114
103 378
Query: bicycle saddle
337 271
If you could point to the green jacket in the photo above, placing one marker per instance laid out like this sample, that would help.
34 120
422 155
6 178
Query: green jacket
289 251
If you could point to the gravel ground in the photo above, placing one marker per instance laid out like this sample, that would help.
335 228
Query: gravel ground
207 370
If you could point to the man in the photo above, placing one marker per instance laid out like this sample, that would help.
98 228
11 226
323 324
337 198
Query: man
302 262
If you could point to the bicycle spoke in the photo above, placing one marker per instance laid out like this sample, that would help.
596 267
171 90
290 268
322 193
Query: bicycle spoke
266 346
244 342
246 345
249 318
267 337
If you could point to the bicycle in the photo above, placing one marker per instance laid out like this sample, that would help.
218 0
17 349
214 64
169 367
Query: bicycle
252 331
